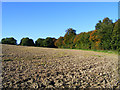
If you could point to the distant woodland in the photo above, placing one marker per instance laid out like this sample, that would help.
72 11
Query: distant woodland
106 36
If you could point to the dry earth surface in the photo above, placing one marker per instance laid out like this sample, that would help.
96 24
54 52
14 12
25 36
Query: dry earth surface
37 67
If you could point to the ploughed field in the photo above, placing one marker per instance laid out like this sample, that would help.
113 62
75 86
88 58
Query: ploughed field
37 67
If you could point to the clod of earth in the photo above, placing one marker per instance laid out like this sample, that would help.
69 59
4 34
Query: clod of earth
37 67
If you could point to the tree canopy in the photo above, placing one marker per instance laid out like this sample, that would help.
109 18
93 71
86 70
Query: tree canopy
26 42
49 42
106 36
10 40
39 42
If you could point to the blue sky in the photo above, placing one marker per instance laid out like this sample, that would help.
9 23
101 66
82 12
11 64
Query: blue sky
51 19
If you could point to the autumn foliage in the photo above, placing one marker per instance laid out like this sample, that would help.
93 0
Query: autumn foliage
106 36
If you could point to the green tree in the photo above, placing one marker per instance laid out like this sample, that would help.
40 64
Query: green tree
105 32
68 38
115 43
39 42
98 25
10 40
26 42
81 41
49 42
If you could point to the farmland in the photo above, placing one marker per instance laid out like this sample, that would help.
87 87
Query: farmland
37 67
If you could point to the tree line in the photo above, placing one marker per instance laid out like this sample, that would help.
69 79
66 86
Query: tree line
48 42
106 36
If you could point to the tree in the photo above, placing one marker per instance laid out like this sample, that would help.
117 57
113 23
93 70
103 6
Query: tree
81 41
98 25
10 40
105 32
95 40
115 42
106 36
39 42
26 42
49 42
68 38
59 42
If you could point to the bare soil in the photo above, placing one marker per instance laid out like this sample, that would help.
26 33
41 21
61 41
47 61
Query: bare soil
37 67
